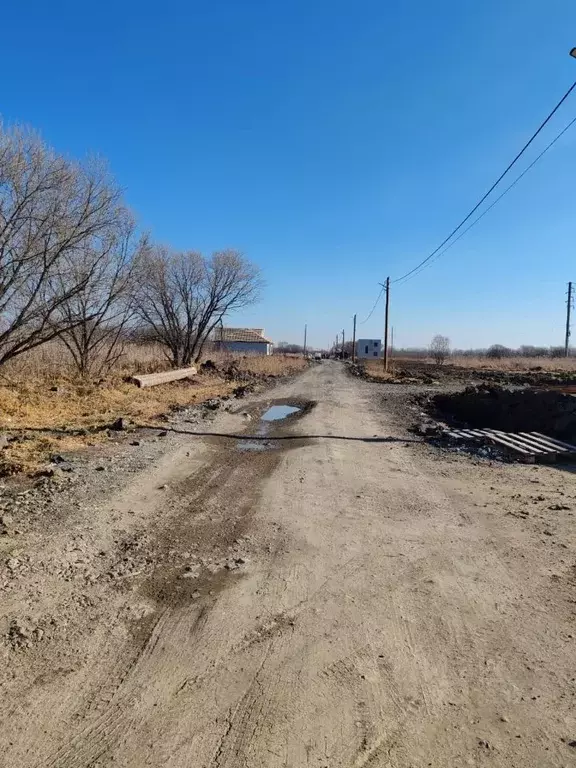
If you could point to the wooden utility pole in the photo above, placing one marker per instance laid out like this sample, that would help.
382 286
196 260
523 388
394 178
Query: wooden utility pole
387 287
568 310
354 340
342 343
305 333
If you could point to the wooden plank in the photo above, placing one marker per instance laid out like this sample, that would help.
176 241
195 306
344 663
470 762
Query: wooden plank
542 453
522 443
527 455
152 379
532 447
459 434
550 444
565 445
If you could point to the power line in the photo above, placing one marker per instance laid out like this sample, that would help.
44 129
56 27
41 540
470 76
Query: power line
498 180
374 307
415 272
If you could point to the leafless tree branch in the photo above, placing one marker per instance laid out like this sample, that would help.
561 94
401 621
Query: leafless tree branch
50 208
180 297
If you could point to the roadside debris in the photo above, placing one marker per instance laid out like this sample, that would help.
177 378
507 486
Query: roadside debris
528 447
509 410
153 379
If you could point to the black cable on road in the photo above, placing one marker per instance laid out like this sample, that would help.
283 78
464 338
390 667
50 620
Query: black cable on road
493 187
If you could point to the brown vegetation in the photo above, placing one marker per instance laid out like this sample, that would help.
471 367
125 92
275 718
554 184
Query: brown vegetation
375 369
44 402
515 363
507 364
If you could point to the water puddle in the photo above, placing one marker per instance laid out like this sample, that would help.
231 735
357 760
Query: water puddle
277 412
253 445
257 442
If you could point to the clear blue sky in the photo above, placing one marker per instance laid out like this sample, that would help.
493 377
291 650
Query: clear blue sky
333 142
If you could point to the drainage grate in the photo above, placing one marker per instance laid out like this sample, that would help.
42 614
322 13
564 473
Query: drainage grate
528 446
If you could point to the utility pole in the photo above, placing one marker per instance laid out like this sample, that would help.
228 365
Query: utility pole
354 340
342 343
305 332
568 310
387 287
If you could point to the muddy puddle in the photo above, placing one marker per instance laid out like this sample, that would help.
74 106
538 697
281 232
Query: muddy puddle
261 440
278 412
254 445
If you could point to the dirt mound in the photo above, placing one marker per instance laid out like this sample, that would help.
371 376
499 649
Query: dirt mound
492 407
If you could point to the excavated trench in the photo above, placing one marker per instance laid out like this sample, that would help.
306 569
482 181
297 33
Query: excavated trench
485 407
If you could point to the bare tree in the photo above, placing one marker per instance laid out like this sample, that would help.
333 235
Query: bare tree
181 296
440 348
232 282
49 208
498 351
287 348
95 318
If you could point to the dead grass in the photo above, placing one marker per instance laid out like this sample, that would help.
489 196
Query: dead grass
515 363
375 369
41 398
32 406
507 365
272 365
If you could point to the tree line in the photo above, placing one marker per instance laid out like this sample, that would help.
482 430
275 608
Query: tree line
74 266
440 350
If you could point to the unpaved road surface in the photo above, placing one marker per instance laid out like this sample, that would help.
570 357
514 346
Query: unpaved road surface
349 597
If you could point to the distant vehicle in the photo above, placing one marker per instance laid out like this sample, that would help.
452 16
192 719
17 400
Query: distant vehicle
317 356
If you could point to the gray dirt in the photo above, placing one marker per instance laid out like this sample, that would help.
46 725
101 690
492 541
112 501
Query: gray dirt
354 597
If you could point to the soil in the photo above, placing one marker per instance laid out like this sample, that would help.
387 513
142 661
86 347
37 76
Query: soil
350 596
422 372
552 413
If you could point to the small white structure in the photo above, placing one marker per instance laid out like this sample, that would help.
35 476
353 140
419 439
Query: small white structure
246 340
368 348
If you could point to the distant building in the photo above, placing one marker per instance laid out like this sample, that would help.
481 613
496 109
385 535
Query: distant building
246 340
368 348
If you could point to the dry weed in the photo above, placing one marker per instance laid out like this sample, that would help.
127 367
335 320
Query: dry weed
272 365
515 363
375 369
45 414
42 397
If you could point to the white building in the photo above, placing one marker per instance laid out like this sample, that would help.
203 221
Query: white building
246 340
368 348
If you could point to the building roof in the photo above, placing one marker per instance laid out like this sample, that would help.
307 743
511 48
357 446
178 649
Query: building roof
241 334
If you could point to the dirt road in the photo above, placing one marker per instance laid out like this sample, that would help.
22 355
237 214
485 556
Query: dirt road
368 603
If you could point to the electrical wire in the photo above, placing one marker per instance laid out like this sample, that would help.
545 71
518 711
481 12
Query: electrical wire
493 187
423 266
373 308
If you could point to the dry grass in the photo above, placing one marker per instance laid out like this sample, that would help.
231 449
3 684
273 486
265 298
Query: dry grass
32 406
375 369
41 396
273 365
509 364
515 363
